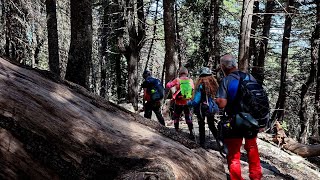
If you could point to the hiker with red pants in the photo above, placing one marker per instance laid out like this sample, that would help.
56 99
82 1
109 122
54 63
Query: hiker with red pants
184 88
233 135
203 102
152 94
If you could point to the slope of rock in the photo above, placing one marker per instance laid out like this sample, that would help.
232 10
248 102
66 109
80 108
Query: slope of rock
57 130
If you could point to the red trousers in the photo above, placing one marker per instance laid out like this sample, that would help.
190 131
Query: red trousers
233 158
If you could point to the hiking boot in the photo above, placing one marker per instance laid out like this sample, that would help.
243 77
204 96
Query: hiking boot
220 144
222 148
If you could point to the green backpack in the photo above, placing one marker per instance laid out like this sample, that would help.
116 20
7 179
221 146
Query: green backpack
186 88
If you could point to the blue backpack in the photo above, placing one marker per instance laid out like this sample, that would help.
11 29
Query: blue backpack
212 107
155 89
208 106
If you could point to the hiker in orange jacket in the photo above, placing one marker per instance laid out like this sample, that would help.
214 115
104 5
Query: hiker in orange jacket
184 87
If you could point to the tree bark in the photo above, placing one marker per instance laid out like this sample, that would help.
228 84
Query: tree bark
78 67
304 121
317 95
170 39
259 67
279 112
53 44
179 39
253 53
155 20
214 42
136 42
60 131
7 17
244 42
204 40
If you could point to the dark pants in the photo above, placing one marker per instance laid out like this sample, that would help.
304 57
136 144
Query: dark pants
212 127
155 107
178 109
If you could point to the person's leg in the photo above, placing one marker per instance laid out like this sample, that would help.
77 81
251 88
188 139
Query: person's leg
188 117
201 130
176 115
253 158
147 110
212 127
233 157
157 111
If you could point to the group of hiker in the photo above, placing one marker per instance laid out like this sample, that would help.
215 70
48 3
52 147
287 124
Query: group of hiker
239 99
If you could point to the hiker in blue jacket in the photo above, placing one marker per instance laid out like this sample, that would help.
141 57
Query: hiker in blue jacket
152 96
203 103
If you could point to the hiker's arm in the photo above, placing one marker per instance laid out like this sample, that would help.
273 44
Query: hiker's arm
221 96
192 84
171 84
196 100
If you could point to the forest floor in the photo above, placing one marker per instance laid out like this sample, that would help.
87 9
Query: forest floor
276 162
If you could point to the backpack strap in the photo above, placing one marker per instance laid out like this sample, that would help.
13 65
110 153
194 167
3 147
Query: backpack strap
234 90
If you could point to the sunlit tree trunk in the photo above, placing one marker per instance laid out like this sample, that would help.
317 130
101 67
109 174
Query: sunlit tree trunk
155 20
246 20
170 39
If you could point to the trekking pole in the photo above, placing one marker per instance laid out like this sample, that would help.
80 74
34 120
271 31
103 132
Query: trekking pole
209 130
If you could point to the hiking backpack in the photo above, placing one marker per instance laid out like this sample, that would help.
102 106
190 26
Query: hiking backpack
186 88
155 89
209 107
252 98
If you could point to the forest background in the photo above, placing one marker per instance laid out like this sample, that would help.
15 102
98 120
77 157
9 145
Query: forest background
105 45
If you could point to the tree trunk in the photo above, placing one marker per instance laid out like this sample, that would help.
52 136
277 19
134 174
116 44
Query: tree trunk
7 16
204 40
104 46
170 39
259 67
133 78
244 42
253 53
37 50
61 131
279 110
179 38
136 42
155 20
304 121
78 68
214 43
53 44
317 96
